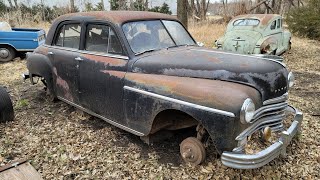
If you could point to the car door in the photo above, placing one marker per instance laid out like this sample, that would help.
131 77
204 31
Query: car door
64 54
102 72
276 33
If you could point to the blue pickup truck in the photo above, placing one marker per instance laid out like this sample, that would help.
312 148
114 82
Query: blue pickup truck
17 41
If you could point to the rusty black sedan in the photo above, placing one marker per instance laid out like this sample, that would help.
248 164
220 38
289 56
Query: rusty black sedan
144 73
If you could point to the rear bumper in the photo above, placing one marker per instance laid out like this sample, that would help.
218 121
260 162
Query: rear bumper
250 161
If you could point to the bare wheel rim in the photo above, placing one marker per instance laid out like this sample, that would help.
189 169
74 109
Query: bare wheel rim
4 53
192 151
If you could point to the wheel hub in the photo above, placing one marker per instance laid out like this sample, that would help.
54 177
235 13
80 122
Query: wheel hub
4 53
192 151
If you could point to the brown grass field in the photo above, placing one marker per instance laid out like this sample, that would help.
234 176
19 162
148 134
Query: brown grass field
64 144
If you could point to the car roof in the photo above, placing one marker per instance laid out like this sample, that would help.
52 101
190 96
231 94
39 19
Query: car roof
117 17
264 19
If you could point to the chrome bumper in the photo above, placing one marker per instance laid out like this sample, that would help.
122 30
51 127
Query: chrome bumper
250 161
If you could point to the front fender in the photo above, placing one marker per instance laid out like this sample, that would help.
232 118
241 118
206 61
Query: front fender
214 104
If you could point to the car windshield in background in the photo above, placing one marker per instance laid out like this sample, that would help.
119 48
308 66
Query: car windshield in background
144 36
246 22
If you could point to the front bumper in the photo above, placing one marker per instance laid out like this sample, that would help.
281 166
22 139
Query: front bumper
250 161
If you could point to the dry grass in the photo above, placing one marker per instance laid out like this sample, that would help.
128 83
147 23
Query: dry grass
206 32
63 144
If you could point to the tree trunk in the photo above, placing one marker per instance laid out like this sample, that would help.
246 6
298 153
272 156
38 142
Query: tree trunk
72 9
102 4
122 4
182 12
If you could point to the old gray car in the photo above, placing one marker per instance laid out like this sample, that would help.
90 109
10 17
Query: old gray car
256 34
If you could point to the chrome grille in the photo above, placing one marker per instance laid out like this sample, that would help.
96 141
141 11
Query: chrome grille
271 114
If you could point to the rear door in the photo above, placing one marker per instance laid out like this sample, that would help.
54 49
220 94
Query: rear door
102 72
64 54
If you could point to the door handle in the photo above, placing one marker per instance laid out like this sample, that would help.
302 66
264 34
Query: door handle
50 53
78 59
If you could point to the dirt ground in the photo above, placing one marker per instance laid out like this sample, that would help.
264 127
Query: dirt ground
62 143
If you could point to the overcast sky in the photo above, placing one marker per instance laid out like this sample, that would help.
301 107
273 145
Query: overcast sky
80 3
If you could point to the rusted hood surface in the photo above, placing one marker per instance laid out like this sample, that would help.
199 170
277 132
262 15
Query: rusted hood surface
267 76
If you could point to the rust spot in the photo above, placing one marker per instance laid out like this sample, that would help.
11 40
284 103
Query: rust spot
185 88
108 61
42 50
64 85
118 74
118 17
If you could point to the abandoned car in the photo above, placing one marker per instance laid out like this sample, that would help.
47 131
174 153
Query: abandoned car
255 34
144 73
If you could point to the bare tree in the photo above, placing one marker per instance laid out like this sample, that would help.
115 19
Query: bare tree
182 12
102 5
16 4
72 8
198 9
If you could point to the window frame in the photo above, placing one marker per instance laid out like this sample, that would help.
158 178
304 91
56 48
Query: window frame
62 25
111 27
275 26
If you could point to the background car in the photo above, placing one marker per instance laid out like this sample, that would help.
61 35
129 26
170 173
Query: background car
256 34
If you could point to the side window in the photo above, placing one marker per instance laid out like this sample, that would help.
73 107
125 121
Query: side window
97 38
69 36
279 23
273 25
101 38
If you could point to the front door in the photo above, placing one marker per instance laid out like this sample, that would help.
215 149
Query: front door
102 73
64 54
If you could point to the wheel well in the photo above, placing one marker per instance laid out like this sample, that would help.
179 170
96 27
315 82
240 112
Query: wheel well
8 45
172 119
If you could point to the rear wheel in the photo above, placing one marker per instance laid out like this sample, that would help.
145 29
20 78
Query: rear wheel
7 53
6 108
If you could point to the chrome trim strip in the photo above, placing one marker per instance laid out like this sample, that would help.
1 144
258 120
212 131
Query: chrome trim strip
264 109
284 97
251 161
25 50
101 117
89 52
220 52
225 113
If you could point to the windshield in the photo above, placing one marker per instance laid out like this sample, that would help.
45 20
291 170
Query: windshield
246 22
146 36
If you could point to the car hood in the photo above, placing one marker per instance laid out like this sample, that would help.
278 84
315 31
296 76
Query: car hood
241 41
266 75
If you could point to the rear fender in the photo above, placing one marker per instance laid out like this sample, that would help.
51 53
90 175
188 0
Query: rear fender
40 65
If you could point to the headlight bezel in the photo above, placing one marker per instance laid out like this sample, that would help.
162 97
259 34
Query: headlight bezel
247 111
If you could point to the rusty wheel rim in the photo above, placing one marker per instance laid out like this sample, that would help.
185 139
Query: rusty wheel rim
192 151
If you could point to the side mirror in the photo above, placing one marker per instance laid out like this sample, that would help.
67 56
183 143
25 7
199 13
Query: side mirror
200 44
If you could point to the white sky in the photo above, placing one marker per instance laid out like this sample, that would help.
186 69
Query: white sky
80 3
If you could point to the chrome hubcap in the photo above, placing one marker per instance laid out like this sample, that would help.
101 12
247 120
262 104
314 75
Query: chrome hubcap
4 53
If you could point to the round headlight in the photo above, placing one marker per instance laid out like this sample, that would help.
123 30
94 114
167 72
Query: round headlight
290 79
247 111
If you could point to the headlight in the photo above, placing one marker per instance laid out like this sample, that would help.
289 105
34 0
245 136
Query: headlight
290 79
247 111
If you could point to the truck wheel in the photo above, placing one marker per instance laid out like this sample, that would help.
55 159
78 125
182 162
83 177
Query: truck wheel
192 151
7 53
6 109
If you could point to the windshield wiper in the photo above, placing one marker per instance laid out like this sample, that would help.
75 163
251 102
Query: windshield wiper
142 52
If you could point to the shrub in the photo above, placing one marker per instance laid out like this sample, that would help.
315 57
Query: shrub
305 21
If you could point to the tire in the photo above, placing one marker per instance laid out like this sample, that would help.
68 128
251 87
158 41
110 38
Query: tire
7 53
6 108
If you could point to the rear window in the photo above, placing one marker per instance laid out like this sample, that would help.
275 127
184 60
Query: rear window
246 22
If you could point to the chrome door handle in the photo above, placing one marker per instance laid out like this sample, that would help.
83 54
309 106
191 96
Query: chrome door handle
50 53
78 59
